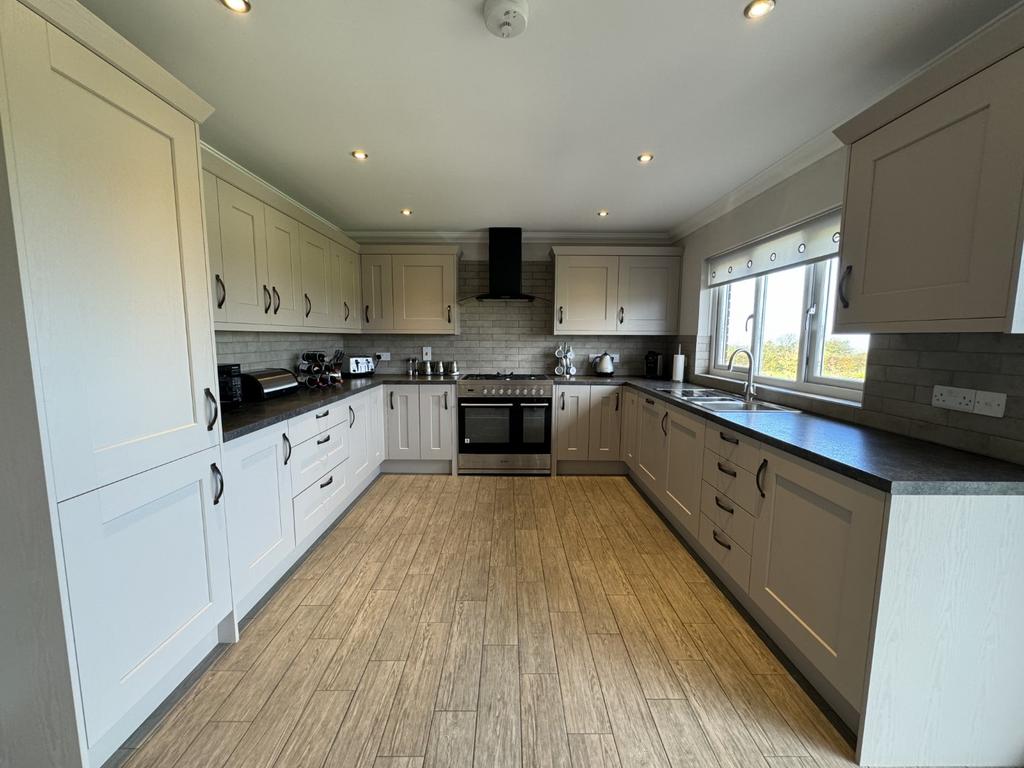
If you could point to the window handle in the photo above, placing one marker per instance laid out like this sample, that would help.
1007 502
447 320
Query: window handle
746 324
808 315
842 286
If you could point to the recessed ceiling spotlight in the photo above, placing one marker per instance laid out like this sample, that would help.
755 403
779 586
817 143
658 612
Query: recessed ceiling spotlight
645 157
758 8
603 213
407 211
359 154
238 6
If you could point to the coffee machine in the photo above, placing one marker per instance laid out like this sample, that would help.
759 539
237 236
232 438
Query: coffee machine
654 365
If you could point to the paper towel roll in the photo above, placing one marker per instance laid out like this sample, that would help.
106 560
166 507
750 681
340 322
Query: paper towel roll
678 367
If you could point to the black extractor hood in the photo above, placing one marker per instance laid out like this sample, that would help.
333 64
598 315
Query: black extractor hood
505 265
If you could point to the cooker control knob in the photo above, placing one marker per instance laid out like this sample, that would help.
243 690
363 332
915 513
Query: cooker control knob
501 391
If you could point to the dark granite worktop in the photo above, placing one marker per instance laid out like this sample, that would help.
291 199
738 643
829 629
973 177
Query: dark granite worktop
252 417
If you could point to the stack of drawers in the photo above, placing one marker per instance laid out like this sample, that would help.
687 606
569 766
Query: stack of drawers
730 500
319 447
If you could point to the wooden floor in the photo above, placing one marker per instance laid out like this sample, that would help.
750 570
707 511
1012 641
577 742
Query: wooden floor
496 622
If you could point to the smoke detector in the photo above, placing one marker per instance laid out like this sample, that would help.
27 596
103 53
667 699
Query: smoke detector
506 18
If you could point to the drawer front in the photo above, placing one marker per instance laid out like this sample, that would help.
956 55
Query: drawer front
720 546
738 524
309 425
738 449
322 500
311 460
731 479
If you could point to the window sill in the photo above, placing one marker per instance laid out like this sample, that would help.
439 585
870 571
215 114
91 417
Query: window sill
783 396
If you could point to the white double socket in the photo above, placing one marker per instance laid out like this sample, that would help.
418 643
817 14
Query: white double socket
969 401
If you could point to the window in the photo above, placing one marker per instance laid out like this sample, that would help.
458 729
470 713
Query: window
786 318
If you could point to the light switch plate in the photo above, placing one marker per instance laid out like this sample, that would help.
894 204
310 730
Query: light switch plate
953 398
427 353
990 404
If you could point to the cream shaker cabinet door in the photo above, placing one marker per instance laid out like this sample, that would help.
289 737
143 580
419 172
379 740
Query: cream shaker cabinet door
630 414
403 421
815 564
147 577
243 246
316 278
258 506
648 294
378 446
586 291
284 268
424 293
360 426
684 462
572 422
216 257
378 301
437 408
119 289
652 444
605 423
346 288
933 209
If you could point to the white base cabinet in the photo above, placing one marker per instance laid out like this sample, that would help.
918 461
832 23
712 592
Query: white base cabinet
684 448
605 423
420 422
572 423
652 444
258 504
630 422
147 577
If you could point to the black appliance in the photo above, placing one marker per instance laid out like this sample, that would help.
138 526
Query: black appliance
505 265
267 383
229 380
654 365
505 424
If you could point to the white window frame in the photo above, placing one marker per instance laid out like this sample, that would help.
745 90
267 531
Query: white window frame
811 340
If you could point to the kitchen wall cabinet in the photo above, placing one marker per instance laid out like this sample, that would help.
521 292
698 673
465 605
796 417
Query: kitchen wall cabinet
258 507
245 284
817 542
410 289
603 290
378 299
348 297
317 279
605 423
684 448
284 268
933 210
146 566
572 423
630 422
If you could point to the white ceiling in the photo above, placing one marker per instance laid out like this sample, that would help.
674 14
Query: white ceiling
541 131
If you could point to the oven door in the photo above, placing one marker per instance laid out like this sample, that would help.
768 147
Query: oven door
520 426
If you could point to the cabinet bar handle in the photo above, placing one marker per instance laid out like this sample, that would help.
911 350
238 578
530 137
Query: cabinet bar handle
216 411
223 291
327 482
842 286
277 300
367 313
219 476
730 440
725 470
288 445
562 401
663 420
309 304
446 400
391 399
648 401
724 507
561 315
323 415
760 475
324 440
346 311
351 417
622 315
617 401
267 300
718 541
449 314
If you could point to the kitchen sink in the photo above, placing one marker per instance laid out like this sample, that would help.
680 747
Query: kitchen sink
742 406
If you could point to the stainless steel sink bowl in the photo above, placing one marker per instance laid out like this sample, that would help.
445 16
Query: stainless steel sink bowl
742 406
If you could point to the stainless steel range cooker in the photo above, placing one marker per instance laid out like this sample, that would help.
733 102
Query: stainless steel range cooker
505 424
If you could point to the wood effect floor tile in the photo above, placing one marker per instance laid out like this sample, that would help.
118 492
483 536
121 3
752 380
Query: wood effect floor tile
398 762
671 633
429 551
503 541
361 730
252 692
459 685
536 646
338 617
263 741
613 578
750 648
316 730
684 563
657 680
822 741
408 725
573 541
392 573
444 590
397 634
528 562
483 511
581 688
337 575
677 591
213 745
685 742
636 735
766 725
593 750
724 728
792 762
451 740
558 579
346 668
498 739
544 740
622 548
475 571
186 721
597 613
501 623
258 633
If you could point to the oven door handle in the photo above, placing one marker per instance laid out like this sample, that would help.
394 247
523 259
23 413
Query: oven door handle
486 405
535 405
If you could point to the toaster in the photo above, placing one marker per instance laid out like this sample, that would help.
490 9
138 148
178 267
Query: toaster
358 366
